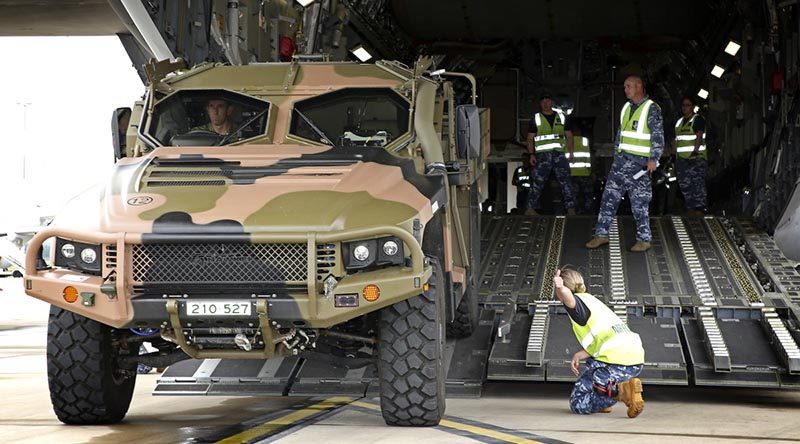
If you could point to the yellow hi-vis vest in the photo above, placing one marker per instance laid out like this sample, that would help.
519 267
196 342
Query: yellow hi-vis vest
581 166
685 138
635 133
605 337
549 138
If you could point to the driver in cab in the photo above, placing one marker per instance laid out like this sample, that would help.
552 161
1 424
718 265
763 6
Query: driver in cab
219 113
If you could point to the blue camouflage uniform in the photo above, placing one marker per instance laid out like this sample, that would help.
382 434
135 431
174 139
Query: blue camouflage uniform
585 399
551 160
691 166
620 178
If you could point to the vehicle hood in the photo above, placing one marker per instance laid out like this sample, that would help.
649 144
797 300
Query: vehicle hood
266 188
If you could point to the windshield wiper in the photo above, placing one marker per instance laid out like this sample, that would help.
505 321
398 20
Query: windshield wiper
241 127
323 138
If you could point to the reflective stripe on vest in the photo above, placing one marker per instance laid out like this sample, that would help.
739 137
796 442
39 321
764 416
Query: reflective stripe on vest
581 166
685 137
632 140
605 337
549 138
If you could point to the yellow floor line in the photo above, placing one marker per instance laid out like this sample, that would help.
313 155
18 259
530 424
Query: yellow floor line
475 430
286 420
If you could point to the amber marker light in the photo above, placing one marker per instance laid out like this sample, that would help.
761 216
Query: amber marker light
426 286
70 294
372 293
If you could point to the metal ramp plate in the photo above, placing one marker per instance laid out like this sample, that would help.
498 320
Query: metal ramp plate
467 358
227 377
318 378
664 360
753 360
507 360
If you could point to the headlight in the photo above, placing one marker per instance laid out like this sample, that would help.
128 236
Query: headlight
361 253
68 250
373 253
88 255
78 256
390 248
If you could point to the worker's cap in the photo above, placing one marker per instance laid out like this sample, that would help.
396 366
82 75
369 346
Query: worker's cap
545 94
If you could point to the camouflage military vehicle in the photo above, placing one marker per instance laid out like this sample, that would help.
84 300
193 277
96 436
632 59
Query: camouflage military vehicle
337 214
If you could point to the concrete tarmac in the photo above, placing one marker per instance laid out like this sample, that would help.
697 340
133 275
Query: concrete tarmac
507 412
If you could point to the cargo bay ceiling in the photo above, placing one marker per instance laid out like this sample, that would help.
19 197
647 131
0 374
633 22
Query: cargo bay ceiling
579 50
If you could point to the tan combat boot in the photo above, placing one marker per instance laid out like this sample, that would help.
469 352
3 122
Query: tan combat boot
630 392
640 246
531 212
596 241
605 410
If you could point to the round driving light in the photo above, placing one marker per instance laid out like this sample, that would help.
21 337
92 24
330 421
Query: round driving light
390 248
68 250
361 253
70 294
371 293
88 255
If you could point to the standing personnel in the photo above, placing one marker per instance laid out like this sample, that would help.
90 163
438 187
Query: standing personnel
582 178
638 146
549 135
522 180
614 354
692 159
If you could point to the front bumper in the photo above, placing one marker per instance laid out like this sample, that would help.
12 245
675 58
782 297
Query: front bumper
119 304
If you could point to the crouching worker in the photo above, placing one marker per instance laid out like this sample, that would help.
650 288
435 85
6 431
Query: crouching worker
614 354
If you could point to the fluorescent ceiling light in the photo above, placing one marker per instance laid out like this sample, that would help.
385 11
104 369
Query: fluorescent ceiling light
361 53
305 3
702 93
717 71
732 48
438 72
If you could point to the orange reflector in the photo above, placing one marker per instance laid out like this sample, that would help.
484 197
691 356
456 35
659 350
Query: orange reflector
70 294
426 286
372 293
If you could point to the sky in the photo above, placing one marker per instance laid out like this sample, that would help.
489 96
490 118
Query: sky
57 95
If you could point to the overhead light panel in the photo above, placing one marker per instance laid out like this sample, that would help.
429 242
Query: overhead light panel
305 3
361 53
732 48
703 94
717 71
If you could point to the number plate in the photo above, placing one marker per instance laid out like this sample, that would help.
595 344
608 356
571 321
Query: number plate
218 308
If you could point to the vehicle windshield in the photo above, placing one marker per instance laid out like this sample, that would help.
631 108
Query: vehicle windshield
352 117
206 117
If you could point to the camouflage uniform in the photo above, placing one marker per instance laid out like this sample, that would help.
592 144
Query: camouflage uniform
691 170
584 399
557 162
620 180
692 180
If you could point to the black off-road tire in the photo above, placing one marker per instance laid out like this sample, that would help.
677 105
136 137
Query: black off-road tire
466 316
85 385
411 354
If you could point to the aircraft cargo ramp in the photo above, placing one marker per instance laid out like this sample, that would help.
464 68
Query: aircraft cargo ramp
714 301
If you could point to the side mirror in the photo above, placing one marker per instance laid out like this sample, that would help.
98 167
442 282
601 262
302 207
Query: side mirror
468 131
120 119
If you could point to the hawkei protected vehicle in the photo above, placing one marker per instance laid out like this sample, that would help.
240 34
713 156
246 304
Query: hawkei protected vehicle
338 217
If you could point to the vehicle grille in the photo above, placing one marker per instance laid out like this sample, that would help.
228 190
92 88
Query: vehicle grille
220 263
